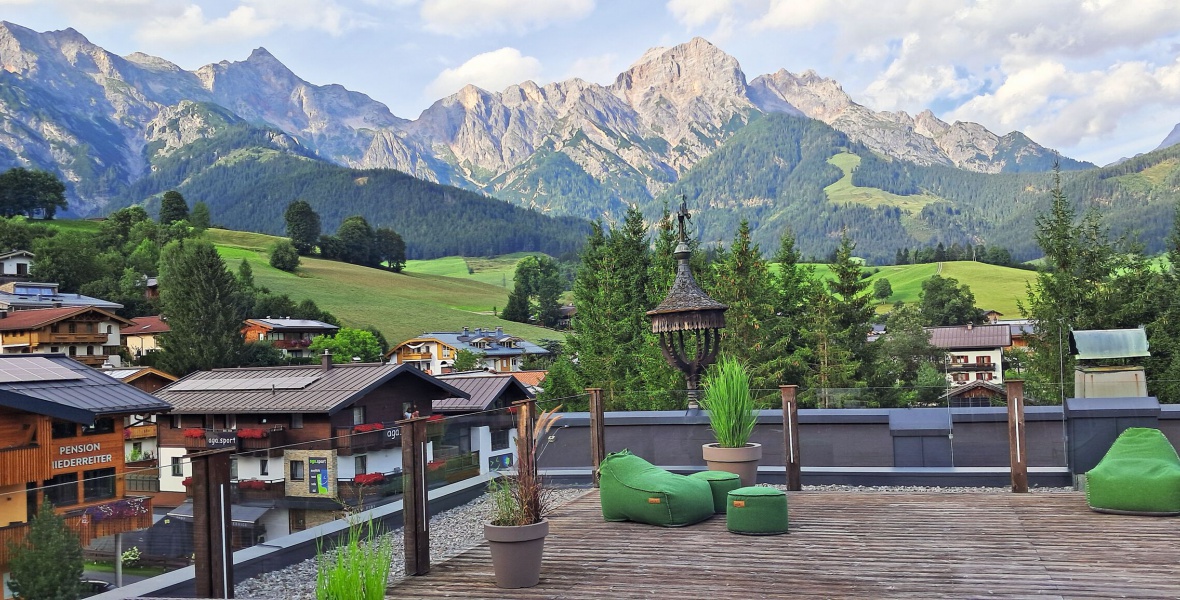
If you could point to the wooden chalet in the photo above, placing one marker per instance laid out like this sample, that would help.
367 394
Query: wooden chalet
302 432
62 440
291 336
87 334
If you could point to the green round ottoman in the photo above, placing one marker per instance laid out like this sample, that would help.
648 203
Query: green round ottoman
757 510
721 483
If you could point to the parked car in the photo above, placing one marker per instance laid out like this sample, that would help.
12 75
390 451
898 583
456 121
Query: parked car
91 587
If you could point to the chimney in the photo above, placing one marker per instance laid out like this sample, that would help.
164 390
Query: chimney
465 332
326 360
970 326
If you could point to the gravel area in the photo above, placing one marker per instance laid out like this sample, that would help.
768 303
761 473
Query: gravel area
452 532
457 530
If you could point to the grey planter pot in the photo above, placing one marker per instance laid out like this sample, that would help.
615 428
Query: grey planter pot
743 461
516 553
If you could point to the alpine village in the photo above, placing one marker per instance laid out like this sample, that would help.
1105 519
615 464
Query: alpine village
261 338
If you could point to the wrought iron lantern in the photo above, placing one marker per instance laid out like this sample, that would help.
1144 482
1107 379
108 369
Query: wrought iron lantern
688 321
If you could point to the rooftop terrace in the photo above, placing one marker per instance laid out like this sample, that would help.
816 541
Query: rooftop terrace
846 545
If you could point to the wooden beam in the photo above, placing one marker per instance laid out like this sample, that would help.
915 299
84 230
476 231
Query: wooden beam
791 456
415 504
597 432
1017 448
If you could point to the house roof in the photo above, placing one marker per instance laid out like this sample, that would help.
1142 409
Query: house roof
530 378
147 325
285 324
36 318
15 253
301 388
131 374
962 337
1108 343
974 385
496 339
69 389
31 294
482 388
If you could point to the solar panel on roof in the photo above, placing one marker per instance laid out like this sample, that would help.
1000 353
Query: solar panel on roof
25 370
253 383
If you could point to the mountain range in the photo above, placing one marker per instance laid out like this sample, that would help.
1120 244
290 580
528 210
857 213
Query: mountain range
121 130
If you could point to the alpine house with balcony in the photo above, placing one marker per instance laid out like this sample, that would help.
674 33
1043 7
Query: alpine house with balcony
291 336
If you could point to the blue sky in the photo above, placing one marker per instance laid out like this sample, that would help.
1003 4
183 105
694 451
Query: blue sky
1096 79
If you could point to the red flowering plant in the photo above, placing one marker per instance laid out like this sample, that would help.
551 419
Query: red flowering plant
194 432
119 509
368 427
251 484
251 434
436 464
187 481
369 479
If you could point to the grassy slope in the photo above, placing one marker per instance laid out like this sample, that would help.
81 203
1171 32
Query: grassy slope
497 271
843 190
400 305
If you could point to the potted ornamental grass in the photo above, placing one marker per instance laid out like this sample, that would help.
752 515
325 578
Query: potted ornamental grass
516 532
730 405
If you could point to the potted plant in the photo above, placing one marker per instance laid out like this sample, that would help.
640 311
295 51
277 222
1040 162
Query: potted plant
516 532
730 404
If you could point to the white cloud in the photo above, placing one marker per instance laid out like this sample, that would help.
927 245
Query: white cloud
462 18
491 71
189 24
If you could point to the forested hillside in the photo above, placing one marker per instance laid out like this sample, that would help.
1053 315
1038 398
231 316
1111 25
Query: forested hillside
248 176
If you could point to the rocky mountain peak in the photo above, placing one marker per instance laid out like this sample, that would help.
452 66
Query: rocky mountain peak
1172 139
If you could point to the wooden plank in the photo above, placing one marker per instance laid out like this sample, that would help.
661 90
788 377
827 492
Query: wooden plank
846 544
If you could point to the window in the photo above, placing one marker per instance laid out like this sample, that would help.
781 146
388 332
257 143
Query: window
296 420
72 327
361 464
983 376
500 439
110 329
89 350
175 423
53 328
263 467
233 467
61 429
101 425
73 351
961 376
231 421
297 470
983 360
98 484
358 415
55 349
959 359
177 467
90 328
62 490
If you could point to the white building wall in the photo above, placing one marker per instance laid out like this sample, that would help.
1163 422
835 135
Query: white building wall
168 482
994 355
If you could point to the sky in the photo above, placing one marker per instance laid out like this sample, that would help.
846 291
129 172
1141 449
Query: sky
1095 79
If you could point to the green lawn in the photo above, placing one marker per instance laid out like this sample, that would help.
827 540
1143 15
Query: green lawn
400 305
843 190
497 271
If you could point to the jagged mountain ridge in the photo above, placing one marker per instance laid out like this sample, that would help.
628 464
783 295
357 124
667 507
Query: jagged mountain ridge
102 120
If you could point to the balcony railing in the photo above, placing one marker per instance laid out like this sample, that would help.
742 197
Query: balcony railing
414 356
139 432
291 344
255 490
78 338
349 440
390 484
965 366
272 440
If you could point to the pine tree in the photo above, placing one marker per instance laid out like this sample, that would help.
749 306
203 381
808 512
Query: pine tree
200 218
205 307
852 309
517 308
173 208
742 280
48 564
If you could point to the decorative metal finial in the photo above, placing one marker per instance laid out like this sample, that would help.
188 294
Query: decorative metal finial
683 216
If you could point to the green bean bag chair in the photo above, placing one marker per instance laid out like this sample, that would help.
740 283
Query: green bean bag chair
633 489
1139 475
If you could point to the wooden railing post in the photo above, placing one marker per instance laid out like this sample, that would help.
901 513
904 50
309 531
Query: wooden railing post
211 524
791 437
415 503
1017 449
597 432
525 422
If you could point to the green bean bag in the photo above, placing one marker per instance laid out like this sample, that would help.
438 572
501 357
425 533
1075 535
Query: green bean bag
1140 474
721 483
632 489
757 510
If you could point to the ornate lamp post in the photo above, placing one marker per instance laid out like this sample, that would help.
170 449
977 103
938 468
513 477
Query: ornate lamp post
688 321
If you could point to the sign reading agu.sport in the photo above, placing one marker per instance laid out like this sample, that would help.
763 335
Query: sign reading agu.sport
72 457
317 475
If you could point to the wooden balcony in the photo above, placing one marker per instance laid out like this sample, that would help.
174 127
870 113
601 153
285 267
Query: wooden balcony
404 356
254 490
140 432
271 442
75 338
351 492
347 441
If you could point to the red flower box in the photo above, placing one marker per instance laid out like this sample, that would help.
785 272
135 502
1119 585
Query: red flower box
369 479
187 481
368 427
194 433
436 464
436 417
251 484
251 434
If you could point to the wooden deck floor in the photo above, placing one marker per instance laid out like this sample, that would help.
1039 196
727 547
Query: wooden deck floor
847 545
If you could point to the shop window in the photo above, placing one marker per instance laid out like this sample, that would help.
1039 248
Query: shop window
61 429
62 490
296 470
98 484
